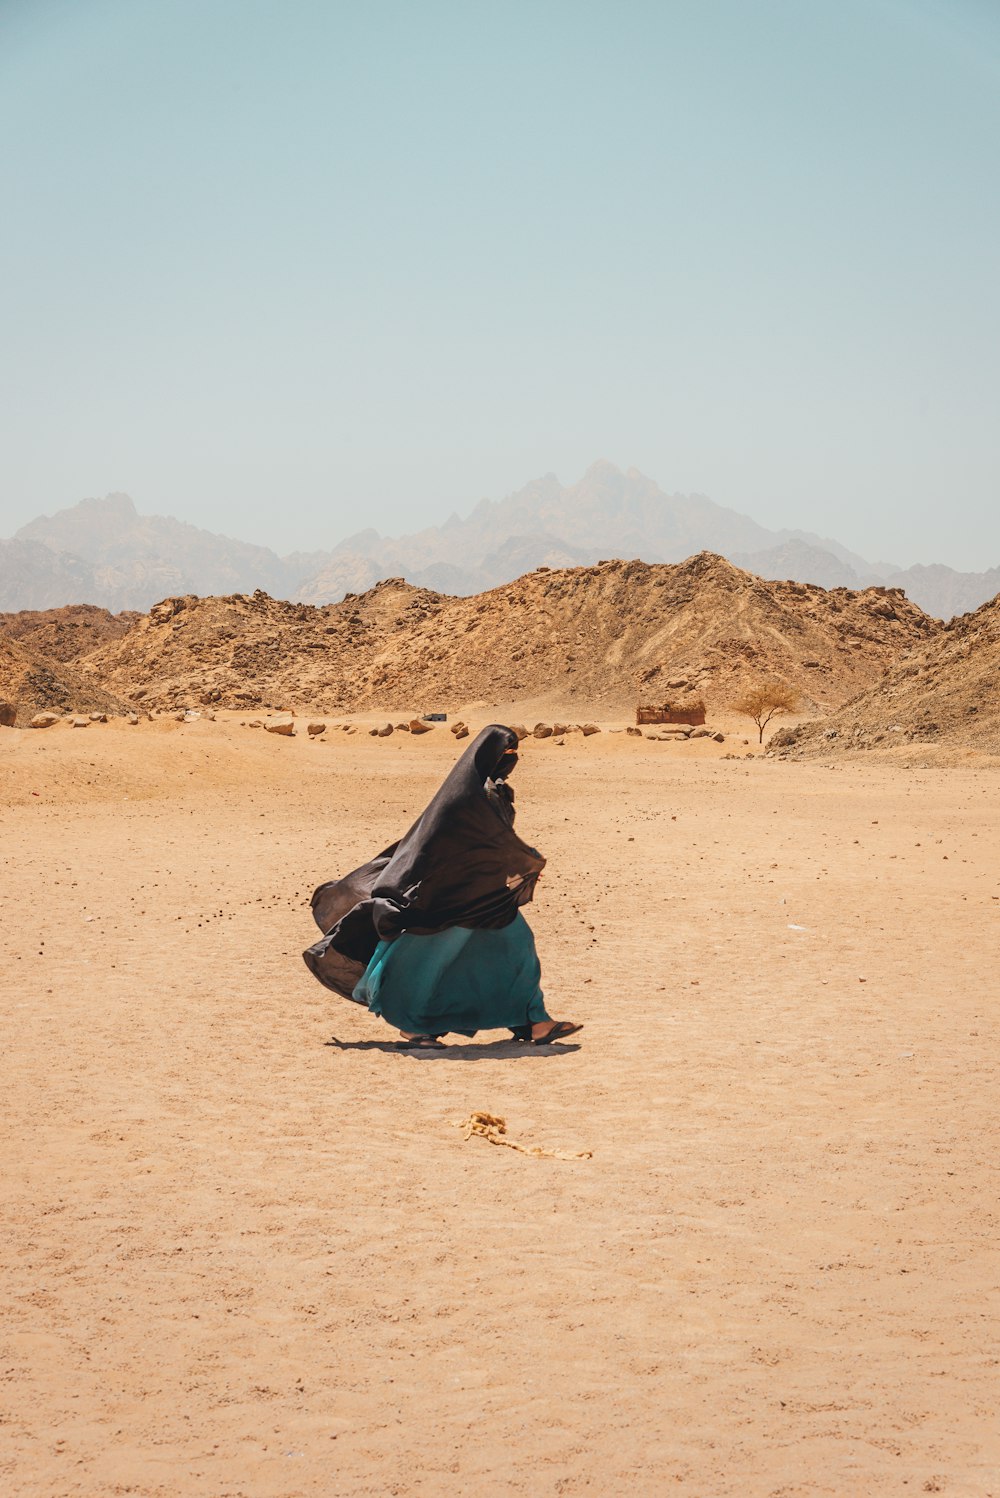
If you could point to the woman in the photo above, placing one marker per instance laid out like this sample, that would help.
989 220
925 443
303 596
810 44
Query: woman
429 934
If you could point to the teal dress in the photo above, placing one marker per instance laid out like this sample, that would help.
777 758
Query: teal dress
460 980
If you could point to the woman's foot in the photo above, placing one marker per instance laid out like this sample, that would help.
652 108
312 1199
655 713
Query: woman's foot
552 1029
422 1042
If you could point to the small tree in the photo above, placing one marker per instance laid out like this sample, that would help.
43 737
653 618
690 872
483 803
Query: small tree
761 702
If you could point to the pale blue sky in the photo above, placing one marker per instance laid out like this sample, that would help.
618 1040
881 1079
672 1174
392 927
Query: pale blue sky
288 267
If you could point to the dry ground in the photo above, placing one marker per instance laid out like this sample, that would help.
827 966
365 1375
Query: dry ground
242 1260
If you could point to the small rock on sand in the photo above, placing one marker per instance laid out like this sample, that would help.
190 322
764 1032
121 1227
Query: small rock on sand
588 728
520 730
542 730
132 718
8 715
284 726
417 725
44 720
98 717
79 722
313 729
384 731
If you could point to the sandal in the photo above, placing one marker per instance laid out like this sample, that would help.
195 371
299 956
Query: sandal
558 1032
423 1043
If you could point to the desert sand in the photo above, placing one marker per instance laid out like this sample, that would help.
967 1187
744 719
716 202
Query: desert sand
249 1254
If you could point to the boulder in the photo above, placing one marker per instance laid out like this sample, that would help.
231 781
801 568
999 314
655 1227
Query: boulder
417 725
313 729
542 731
8 715
284 726
520 730
561 728
44 720
588 728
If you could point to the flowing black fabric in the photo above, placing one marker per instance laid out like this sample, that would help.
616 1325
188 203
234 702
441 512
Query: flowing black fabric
460 864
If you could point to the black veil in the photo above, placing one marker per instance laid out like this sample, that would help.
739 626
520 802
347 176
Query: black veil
460 864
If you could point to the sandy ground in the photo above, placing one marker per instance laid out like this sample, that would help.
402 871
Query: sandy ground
243 1259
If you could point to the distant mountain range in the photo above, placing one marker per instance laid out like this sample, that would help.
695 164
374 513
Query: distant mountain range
102 551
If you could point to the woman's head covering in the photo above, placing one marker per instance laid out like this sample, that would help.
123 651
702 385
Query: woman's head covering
460 864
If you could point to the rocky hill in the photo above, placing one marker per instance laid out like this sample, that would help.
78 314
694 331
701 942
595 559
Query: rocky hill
599 636
945 691
31 682
66 634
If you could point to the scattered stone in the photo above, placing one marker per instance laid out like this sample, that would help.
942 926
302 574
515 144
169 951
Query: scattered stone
562 728
719 738
132 718
283 726
542 731
457 727
402 727
44 720
312 729
384 731
79 722
8 715
255 723
461 732
635 733
417 725
98 717
520 730
702 732
588 728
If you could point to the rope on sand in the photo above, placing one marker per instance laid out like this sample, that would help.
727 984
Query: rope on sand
493 1129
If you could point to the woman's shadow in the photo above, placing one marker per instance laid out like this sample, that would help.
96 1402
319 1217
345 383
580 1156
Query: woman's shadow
490 1050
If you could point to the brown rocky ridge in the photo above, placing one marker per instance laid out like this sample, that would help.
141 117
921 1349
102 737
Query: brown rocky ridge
945 691
31 682
66 634
602 636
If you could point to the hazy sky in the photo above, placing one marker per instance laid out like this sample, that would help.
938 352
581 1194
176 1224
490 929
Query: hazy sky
289 267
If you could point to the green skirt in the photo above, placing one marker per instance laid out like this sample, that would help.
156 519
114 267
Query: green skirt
460 979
